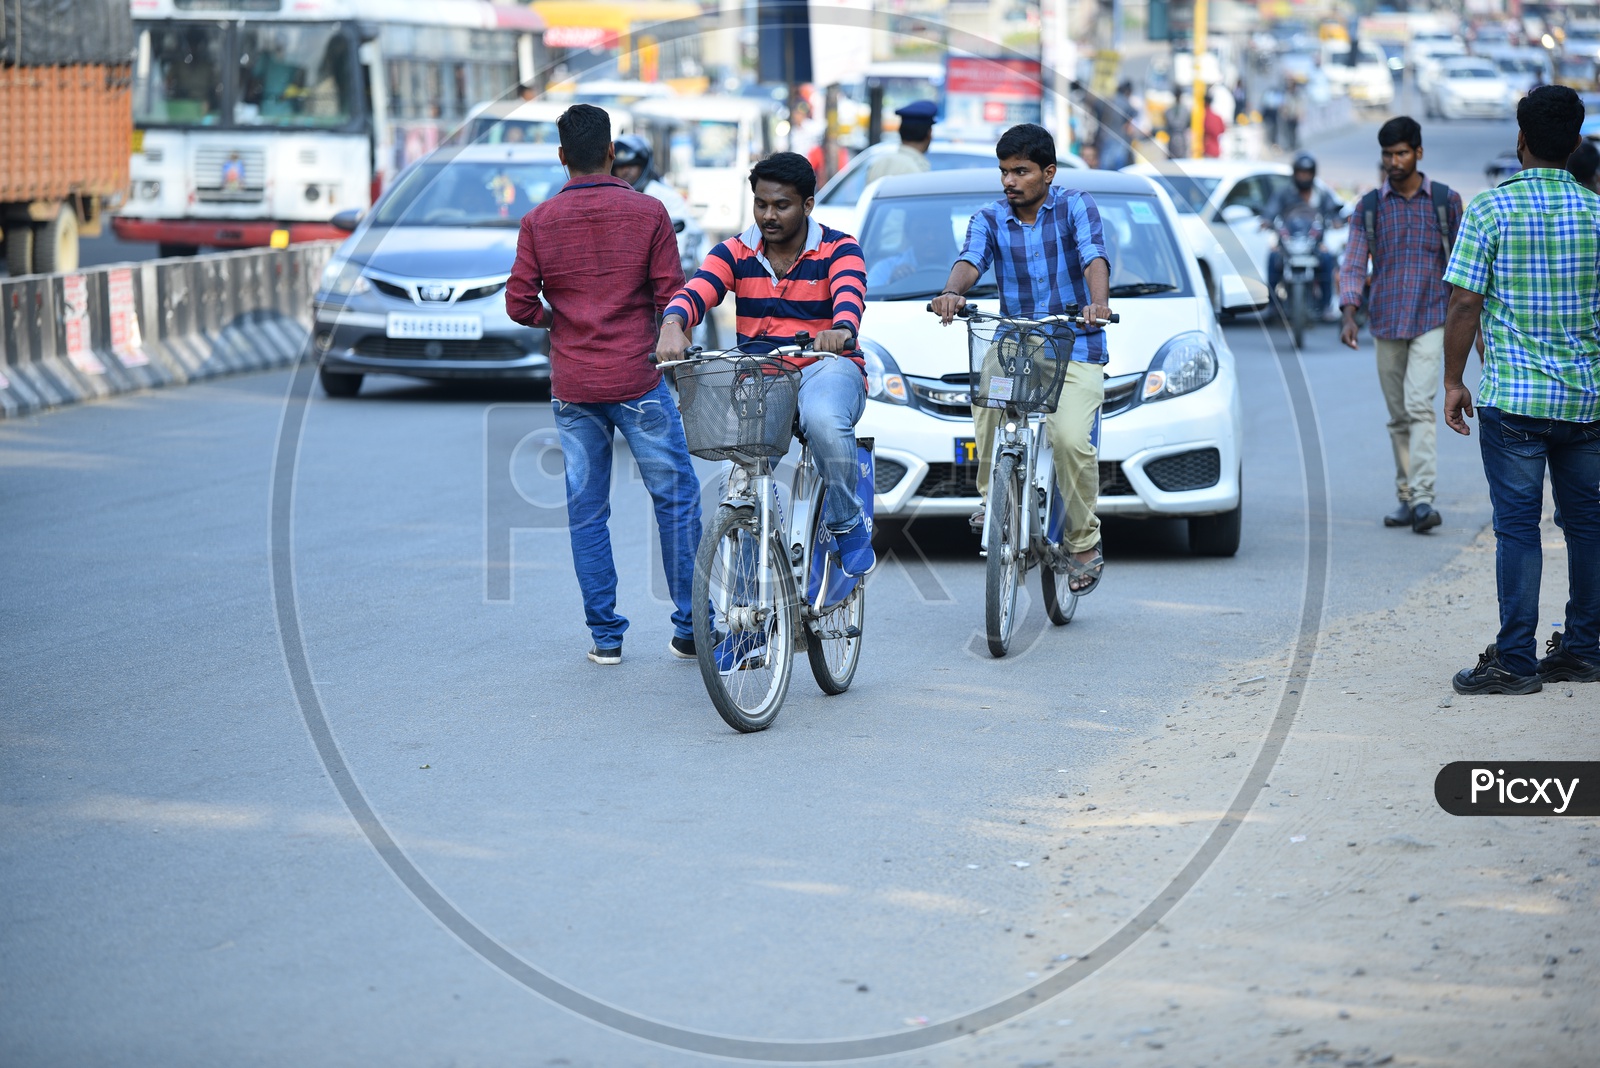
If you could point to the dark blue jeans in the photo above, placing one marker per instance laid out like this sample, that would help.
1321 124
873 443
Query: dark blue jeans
1516 451
654 433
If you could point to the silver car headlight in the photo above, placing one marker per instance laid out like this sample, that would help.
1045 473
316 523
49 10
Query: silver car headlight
884 381
341 278
1182 365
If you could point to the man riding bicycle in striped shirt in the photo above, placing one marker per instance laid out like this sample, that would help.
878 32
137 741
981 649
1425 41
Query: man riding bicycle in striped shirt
788 273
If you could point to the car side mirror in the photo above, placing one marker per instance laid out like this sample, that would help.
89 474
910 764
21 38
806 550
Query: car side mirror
346 220
1237 213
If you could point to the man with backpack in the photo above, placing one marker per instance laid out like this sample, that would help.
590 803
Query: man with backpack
1405 228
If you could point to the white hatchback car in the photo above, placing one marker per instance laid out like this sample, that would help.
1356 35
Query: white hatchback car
1170 440
1469 87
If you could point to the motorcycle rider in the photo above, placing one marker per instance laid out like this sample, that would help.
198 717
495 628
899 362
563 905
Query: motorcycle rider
634 166
1304 199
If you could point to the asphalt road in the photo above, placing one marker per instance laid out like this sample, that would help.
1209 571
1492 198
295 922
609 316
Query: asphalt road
182 886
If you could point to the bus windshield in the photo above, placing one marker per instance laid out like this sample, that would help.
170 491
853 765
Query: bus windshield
178 78
294 75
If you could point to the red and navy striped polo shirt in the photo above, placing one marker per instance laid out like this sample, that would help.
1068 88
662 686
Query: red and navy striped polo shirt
825 289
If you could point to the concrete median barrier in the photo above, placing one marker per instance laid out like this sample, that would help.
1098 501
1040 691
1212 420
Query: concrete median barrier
95 333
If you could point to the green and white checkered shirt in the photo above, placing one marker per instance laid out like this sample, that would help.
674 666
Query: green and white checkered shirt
1531 246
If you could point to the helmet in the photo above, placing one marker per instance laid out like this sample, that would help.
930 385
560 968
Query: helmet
631 150
1305 161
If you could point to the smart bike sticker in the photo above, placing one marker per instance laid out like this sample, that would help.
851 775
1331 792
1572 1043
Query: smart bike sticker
1000 389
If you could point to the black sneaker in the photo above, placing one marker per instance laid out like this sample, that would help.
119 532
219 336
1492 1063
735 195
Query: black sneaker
1424 518
1559 665
606 656
682 648
1400 517
1490 677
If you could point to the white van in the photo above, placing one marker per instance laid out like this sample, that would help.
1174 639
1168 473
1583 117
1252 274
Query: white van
711 143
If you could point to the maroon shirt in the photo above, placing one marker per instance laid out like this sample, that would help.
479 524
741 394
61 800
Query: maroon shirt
606 258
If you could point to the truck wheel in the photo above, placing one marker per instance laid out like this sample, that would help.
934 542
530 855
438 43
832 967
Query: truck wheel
55 244
19 249
167 251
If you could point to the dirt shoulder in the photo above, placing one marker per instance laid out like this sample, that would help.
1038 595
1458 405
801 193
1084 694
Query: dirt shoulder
1350 921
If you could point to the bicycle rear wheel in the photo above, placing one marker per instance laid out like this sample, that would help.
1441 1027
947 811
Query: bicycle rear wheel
754 643
1006 553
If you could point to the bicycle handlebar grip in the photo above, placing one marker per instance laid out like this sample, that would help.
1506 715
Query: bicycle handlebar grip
963 312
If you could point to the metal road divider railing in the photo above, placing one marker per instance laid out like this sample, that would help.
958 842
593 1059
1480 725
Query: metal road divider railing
95 333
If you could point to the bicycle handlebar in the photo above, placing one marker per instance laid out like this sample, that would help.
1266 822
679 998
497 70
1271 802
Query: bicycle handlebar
695 354
968 312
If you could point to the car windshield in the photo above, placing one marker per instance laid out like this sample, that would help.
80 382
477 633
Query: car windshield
1462 73
1526 65
294 75
715 143
515 131
1189 194
910 242
460 193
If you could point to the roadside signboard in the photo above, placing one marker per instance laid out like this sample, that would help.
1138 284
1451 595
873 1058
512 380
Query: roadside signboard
983 96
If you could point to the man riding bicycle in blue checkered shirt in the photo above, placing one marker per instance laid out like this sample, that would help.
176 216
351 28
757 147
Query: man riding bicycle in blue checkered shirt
1048 254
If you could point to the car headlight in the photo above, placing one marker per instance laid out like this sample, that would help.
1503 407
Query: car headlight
884 381
341 278
1182 365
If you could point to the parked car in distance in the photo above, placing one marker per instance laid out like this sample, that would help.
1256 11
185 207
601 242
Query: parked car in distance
1361 73
1427 52
1170 439
1468 87
418 288
1522 68
837 200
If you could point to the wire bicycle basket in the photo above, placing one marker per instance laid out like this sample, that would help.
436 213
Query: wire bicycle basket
738 407
1014 366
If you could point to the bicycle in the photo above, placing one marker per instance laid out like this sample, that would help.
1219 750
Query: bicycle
1014 367
754 559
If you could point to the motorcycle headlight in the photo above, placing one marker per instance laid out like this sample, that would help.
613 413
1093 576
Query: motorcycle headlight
341 278
884 381
1182 365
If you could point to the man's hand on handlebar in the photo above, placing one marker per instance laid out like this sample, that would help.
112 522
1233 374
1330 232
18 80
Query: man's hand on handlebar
673 343
834 341
1095 315
946 305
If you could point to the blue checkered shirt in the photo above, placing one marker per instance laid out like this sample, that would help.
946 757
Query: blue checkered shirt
1039 268
1531 246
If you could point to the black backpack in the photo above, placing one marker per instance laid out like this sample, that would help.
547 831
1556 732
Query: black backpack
1369 223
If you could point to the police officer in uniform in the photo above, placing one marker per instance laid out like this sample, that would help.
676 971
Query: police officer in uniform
916 134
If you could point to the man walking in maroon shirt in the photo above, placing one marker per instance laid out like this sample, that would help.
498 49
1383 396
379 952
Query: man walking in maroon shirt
606 259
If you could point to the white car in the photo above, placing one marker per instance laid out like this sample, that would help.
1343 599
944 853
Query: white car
1427 53
1231 289
1523 69
1229 196
1468 88
1170 441
836 201
1366 79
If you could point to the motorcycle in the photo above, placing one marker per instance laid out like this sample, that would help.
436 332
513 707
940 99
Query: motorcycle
1300 245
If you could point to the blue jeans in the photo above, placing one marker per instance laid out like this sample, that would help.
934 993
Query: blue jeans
1516 450
654 433
1325 267
833 394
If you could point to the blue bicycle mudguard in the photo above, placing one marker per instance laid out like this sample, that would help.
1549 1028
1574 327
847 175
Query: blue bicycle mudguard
824 559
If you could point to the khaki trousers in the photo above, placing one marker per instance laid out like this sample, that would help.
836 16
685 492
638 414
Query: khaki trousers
1074 432
1409 371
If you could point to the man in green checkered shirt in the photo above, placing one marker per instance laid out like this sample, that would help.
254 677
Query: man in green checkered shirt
1526 266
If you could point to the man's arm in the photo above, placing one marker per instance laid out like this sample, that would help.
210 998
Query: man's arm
1352 280
1092 254
666 269
847 285
522 288
976 255
694 302
1460 330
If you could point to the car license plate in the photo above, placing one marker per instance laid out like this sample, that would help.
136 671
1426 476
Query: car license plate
966 451
436 327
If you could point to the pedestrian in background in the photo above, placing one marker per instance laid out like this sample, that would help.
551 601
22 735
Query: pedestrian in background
1290 110
1526 266
1584 163
606 259
1117 129
1271 97
916 134
1404 228
1213 128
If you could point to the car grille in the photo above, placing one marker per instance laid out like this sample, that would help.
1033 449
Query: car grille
1113 483
1186 471
886 475
209 166
395 348
950 480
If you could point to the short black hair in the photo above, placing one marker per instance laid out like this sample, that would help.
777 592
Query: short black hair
1550 118
917 130
1584 162
585 134
1028 141
786 168
1400 130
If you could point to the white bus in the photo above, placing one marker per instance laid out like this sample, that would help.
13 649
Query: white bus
255 118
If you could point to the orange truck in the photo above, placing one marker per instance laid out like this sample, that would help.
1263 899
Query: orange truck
65 122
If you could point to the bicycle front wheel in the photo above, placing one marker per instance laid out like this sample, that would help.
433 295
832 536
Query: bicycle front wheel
745 644
1005 551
